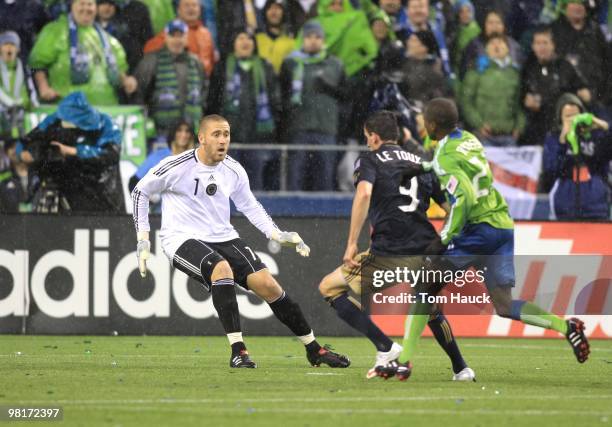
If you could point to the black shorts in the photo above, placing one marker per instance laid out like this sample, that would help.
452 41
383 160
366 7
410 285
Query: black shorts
198 259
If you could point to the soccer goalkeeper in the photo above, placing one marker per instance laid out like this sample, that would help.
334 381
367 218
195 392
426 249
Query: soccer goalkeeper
478 230
198 238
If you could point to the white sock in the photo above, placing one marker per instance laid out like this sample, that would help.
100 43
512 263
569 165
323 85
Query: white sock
234 337
307 339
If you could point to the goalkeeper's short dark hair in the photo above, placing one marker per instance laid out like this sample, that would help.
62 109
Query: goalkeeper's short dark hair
443 112
384 124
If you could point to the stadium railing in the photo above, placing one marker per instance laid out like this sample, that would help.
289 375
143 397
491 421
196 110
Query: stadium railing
286 148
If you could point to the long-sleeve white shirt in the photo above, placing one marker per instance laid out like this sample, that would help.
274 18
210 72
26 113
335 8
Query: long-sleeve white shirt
196 201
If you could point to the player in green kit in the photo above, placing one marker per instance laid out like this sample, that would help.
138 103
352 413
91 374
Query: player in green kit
478 232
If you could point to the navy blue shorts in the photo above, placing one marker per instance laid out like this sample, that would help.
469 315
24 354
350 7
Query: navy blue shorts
485 248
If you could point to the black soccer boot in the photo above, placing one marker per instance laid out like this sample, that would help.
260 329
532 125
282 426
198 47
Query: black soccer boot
242 360
395 368
577 339
328 357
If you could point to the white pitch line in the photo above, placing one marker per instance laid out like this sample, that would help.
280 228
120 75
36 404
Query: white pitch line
372 398
360 411
510 346
322 373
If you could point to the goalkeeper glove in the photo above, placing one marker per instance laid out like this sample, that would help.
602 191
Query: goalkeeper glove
143 251
291 238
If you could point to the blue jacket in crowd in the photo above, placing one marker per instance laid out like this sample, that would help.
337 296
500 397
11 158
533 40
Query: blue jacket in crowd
588 195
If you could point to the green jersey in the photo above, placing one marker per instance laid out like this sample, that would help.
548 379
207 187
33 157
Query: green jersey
463 171
51 52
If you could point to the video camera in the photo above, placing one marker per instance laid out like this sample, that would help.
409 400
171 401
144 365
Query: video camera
48 162
50 166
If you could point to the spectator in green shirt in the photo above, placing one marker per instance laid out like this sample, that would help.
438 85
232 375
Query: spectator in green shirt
491 96
74 53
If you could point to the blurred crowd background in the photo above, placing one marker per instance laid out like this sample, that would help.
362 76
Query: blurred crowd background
524 73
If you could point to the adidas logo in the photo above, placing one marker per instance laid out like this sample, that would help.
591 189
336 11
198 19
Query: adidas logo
212 178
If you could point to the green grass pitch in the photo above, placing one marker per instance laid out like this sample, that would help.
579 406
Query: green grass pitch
185 381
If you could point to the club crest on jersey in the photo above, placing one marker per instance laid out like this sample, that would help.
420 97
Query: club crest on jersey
211 189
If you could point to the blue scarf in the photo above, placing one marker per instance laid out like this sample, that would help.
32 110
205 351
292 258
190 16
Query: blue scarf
80 58
483 62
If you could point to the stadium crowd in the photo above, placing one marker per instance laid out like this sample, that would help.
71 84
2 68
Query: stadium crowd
309 72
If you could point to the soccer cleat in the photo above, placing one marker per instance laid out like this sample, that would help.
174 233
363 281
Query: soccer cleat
466 374
383 358
577 339
242 360
395 368
328 357
404 370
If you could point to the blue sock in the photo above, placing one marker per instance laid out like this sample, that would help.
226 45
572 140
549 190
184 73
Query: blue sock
515 309
360 321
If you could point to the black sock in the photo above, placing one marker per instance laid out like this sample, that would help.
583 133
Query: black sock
360 321
444 335
313 347
224 301
237 347
290 314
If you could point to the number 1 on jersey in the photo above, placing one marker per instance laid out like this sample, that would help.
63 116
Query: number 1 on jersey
197 180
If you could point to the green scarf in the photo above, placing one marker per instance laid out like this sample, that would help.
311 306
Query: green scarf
233 90
465 35
167 99
297 84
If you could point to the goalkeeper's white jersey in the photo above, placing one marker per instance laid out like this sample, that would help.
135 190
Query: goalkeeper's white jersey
196 200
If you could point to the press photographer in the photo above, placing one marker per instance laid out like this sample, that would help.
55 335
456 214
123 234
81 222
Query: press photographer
576 158
75 152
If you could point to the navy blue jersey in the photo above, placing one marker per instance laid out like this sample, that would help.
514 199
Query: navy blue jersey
400 199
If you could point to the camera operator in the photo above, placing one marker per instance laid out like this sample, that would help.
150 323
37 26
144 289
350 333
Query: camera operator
576 157
75 152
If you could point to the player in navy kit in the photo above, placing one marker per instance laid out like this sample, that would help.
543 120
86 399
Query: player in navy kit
393 191
198 238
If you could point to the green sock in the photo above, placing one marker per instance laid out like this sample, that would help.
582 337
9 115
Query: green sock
534 315
415 323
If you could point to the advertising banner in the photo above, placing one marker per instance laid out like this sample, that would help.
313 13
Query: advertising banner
78 275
